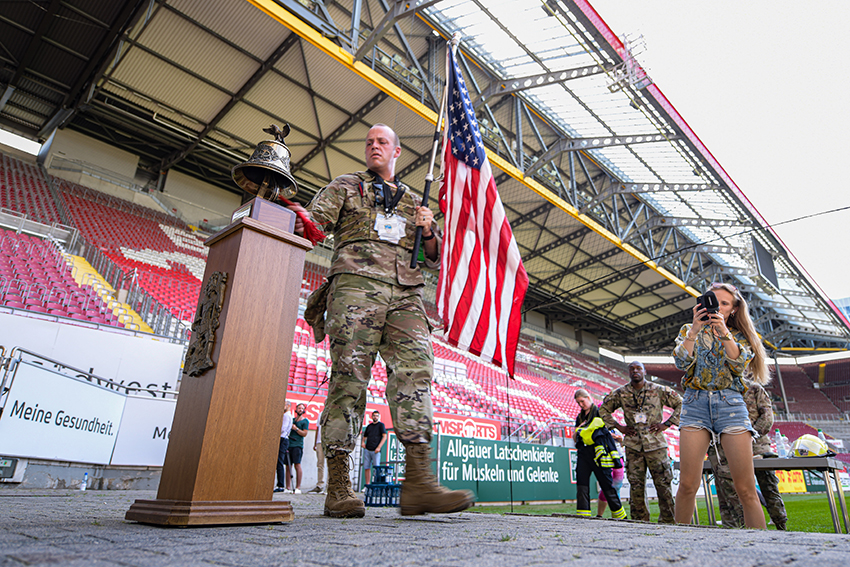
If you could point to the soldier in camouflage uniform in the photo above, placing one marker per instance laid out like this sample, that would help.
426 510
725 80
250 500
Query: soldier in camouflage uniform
760 411
643 404
374 304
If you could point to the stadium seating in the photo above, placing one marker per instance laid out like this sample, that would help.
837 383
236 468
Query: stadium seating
156 251
667 372
833 377
23 189
803 398
164 257
462 385
35 276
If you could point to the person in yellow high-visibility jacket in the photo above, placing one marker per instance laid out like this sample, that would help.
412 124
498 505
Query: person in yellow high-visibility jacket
597 454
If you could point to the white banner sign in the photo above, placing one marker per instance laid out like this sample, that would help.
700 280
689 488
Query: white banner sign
135 361
144 432
50 416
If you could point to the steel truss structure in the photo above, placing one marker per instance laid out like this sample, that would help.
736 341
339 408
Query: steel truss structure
621 213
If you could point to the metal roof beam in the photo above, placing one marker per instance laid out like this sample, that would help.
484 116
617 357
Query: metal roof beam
271 61
699 249
413 166
555 244
784 292
32 49
422 76
347 125
559 181
641 188
508 86
536 212
97 62
625 274
327 26
400 9
780 305
563 145
648 309
658 220
664 187
634 294
581 265
664 325
797 331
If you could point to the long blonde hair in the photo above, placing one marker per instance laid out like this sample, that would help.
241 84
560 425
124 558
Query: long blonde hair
740 320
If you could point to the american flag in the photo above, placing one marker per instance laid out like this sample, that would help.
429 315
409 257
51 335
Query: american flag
482 281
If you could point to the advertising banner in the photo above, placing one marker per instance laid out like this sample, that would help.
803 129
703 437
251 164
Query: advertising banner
470 427
498 471
50 416
144 432
316 404
814 481
135 361
791 481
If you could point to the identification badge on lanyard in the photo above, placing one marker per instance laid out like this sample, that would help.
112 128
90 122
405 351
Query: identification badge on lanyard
640 417
390 228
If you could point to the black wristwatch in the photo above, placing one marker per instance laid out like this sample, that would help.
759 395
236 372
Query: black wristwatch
432 237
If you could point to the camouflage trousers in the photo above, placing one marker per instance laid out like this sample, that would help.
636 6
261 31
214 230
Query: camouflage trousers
364 317
731 512
658 464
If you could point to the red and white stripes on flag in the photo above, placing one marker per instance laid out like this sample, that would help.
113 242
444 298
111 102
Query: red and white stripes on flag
482 280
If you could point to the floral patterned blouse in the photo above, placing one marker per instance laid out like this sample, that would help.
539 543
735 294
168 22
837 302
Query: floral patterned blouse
709 368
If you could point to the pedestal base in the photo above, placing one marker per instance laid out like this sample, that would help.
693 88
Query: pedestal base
181 513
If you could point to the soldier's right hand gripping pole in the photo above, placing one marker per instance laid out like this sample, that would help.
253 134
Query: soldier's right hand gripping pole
429 177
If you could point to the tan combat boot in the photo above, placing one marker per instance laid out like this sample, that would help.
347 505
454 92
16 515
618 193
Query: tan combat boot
341 501
421 493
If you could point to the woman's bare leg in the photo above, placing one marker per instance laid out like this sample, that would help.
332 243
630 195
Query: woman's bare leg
693 444
739 453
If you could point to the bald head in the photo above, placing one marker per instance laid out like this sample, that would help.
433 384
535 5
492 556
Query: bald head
382 150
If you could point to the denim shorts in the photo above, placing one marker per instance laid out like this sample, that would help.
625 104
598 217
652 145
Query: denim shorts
717 411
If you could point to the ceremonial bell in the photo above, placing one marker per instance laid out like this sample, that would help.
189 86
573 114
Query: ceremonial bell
266 174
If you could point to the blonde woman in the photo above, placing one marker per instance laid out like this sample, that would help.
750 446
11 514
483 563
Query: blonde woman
715 352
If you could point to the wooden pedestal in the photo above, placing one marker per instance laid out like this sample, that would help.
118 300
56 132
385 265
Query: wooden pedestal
220 465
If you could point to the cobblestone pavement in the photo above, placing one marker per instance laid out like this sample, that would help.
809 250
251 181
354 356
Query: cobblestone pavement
63 527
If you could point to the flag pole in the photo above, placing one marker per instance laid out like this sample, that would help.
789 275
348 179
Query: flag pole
429 177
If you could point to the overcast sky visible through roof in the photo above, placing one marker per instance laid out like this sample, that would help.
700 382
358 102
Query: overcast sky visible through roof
764 85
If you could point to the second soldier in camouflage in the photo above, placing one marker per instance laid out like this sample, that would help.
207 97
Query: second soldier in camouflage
643 404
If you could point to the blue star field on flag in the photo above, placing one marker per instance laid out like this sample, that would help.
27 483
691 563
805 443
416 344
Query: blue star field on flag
463 127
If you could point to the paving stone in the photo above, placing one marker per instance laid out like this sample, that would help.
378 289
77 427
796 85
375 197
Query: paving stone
64 527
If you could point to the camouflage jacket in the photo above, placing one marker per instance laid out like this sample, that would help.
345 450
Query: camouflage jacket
709 368
760 409
346 208
650 400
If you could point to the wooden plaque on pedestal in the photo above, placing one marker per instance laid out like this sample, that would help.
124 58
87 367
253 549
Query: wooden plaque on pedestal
220 465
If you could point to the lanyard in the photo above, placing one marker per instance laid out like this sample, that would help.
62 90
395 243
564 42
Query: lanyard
385 192
642 400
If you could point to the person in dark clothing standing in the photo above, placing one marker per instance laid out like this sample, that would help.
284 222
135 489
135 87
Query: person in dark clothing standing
300 426
373 440
597 454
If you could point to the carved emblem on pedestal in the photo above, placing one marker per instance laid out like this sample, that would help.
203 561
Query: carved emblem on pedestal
199 355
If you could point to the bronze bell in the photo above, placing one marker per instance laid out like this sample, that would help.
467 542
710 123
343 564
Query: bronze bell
266 174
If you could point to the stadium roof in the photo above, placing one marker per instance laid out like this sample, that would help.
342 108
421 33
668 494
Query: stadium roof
621 213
